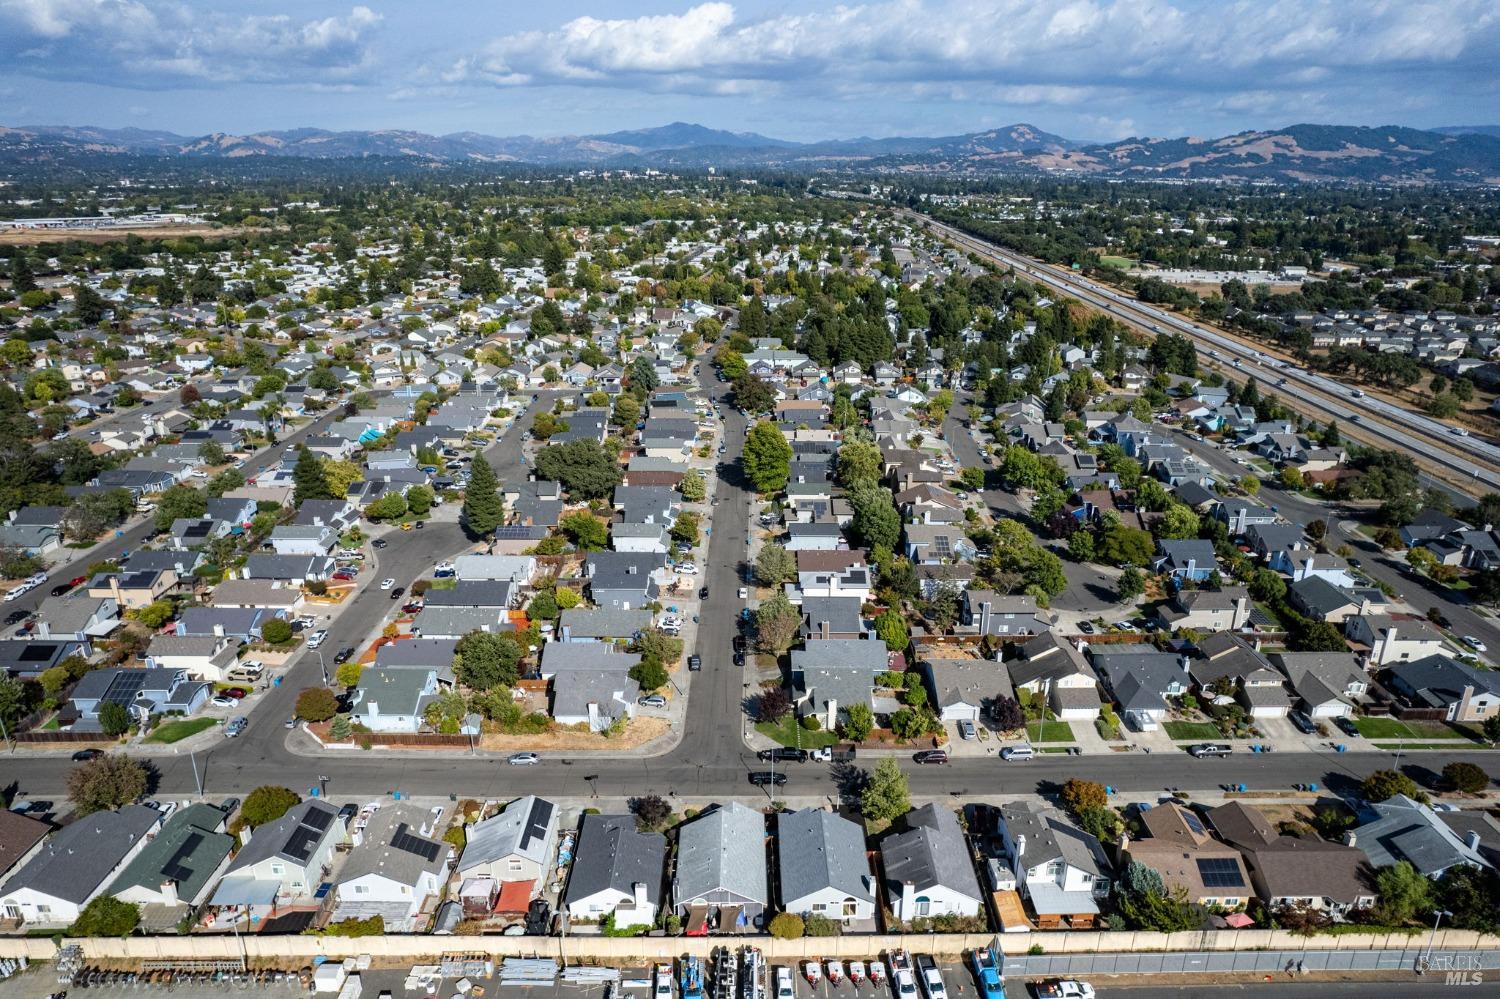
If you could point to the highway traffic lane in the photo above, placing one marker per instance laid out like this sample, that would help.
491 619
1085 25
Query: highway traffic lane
1132 311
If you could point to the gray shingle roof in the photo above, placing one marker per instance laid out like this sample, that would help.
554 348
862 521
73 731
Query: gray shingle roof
723 850
523 829
612 854
77 858
818 849
931 852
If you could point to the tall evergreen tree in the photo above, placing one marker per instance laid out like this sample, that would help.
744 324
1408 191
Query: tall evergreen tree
483 508
308 477
21 280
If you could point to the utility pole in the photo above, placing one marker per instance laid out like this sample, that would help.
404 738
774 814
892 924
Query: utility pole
197 779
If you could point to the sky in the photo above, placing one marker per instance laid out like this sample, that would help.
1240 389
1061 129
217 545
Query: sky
796 69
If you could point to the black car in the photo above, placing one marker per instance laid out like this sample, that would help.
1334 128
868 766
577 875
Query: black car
380 542
695 663
1304 724
345 654
937 756
397 593
84 755
760 778
739 659
703 593
1347 726
1086 627
16 617
61 588
347 812
421 524
739 643
783 754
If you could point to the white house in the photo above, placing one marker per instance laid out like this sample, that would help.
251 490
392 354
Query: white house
392 700
513 846
1060 869
927 868
617 871
823 867
74 865
284 861
1393 640
396 865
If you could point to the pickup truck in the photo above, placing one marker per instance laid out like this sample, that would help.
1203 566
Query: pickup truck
1063 988
930 977
833 754
987 973
903 980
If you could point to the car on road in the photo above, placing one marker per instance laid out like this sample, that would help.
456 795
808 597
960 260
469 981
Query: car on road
702 593
236 725
380 542
421 524
16 617
695 663
1017 754
744 593
523 759
931 756
61 588
291 722
764 778
317 638
783 754
406 527
345 654
1474 643
1205 750
84 755
398 592
652 701
387 583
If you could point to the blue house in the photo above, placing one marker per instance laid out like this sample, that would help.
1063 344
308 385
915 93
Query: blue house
1192 559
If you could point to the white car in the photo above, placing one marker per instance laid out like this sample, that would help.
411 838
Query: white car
784 987
1474 643
744 593
524 759
688 569
387 583
224 701
316 639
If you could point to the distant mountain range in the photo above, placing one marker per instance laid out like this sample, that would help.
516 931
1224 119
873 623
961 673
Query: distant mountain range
1387 154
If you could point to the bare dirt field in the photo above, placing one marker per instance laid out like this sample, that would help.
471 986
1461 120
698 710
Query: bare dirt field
35 237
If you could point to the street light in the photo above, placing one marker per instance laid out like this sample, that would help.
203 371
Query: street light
322 666
1432 937
323 785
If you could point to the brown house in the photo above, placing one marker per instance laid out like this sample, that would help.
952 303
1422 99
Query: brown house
1292 870
1179 847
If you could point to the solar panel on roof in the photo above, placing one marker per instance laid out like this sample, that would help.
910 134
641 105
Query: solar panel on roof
299 845
1194 823
407 843
124 687
1220 872
940 546
317 818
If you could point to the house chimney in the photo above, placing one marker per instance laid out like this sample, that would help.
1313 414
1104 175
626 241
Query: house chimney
908 900
218 631
1020 850
169 891
1472 840
640 895
1350 838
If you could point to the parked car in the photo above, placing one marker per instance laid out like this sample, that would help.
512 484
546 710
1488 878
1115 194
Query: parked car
763 778
744 593
1087 627
398 592
84 755
1346 726
1063 988
833 754
1204 750
702 593
387 583
1018 754
1474 643
966 729
345 654
524 759
222 701
934 756
783 754
695 663
317 638
930 977
652 701
236 725
1304 724
235 692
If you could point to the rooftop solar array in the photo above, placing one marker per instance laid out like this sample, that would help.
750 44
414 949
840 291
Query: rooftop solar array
416 845
1194 823
1220 872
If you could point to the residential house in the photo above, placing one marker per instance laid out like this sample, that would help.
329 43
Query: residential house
823 868
833 617
624 580
393 700
1224 609
1192 560
1290 871
180 863
1400 829
617 871
1051 668
133 590
75 865
720 880
1317 598
1393 638
78 618
1006 616
20 840
203 657
927 868
960 689
33 530
397 866
1060 870
1325 684
284 861
142 692
584 624
1140 679
1177 845
1453 690
1229 667
831 674
515 848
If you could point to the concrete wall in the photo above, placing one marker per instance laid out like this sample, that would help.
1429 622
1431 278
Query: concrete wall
294 951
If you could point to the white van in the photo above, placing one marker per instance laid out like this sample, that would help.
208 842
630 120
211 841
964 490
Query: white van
1014 753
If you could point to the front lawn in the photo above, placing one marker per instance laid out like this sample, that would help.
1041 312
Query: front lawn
176 731
1195 731
1049 731
1416 730
788 733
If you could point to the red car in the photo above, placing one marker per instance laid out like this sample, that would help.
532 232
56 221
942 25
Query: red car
345 577
76 580
235 692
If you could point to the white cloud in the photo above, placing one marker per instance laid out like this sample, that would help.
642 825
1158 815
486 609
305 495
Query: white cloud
136 43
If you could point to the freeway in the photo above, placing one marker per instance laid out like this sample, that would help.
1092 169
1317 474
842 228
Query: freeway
1477 464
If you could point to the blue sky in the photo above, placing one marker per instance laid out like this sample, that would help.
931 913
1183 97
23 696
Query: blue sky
1089 69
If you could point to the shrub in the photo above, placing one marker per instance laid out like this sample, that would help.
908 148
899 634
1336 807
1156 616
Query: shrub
374 926
316 704
1079 795
276 631
1469 778
267 804
787 926
106 916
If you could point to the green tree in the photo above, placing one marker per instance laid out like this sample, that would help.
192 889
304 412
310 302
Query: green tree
390 506
483 660
890 628
886 795
276 631
1180 521
972 478
1146 904
180 501
1079 795
693 489
483 509
583 467
267 803
543 607
1403 892
316 704
650 675
1121 545
587 532
114 719
1383 784
419 500
1469 778
1081 545
859 722
106 782
685 528
348 674
774 565
106 916
777 623
859 463
1491 729
767 458
211 452
876 520
786 926
308 478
